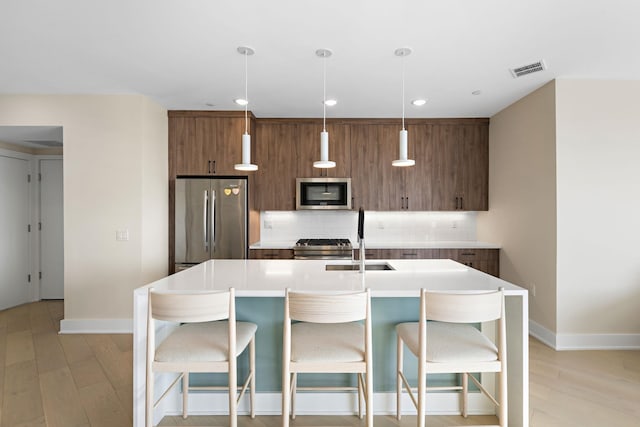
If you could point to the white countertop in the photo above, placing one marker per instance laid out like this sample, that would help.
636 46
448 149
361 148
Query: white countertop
269 278
436 244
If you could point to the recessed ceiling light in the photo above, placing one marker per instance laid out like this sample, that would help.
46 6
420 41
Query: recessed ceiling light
476 92
330 102
419 102
241 101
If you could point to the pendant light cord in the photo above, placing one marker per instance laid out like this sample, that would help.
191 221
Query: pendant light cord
324 92
403 91
246 84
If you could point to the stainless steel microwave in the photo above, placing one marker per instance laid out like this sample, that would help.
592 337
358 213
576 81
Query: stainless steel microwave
323 193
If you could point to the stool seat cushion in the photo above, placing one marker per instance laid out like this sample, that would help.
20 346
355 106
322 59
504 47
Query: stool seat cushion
203 342
449 342
327 342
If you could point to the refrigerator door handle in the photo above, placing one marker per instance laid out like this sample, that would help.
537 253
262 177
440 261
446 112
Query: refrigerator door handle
213 218
205 216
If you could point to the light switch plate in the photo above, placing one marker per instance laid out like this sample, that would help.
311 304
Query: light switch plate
122 235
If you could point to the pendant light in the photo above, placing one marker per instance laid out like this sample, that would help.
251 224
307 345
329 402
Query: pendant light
324 161
246 138
403 151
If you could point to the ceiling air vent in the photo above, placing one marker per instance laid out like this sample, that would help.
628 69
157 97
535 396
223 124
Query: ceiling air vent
528 69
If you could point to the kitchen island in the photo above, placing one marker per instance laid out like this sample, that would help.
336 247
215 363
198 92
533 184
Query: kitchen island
260 286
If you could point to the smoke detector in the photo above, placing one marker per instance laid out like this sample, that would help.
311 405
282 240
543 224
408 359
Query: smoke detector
528 69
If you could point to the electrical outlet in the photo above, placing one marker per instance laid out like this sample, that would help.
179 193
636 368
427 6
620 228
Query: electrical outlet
454 224
268 225
533 289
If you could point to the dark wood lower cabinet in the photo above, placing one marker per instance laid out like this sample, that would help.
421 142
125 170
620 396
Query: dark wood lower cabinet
485 260
271 253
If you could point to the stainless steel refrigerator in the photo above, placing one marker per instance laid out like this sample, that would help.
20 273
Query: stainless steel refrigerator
210 220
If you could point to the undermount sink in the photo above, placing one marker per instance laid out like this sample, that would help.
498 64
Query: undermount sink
356 267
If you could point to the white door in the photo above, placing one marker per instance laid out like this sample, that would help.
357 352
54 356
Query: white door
52 230
14 220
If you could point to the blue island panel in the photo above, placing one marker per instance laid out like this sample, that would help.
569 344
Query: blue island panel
268 314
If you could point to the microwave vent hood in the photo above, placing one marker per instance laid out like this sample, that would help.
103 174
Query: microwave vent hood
323 193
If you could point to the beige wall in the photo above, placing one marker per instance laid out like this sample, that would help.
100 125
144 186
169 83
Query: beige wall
563 188
522 198
598 152
115 177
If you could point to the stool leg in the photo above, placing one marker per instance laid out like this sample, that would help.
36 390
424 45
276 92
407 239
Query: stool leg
149 400
294 385
465 393
252 369
185 394
399 386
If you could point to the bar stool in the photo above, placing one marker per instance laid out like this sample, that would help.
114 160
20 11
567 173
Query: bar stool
445 342
328 337
205 338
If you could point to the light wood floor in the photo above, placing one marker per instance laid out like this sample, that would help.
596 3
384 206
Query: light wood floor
47 379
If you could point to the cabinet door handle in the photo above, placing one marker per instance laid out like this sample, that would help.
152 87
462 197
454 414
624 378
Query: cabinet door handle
214 166
458 203
209 167
407 203
401 202
461 203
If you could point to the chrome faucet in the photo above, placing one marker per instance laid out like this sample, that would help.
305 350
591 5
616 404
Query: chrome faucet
361 255
361 237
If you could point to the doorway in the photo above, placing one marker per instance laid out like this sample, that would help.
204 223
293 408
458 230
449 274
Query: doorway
31 214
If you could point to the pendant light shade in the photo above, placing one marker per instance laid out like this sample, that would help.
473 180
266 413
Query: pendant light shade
324 161
403 150
246 164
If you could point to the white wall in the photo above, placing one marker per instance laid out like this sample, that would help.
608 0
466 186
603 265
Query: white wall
115 177
598 151
522 198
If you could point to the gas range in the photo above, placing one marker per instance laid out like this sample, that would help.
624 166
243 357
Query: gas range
322 249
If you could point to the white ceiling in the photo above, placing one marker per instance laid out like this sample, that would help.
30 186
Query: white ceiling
182 53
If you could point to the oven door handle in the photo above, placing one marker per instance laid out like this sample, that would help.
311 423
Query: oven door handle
322 257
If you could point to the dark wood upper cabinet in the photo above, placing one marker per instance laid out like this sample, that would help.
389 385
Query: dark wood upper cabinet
451 170
460 167
375 184
474 155
380 186
206 144
309 150
417 178
277 157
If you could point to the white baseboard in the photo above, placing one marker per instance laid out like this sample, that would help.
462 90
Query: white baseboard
208 403
96 326
584 341
538 331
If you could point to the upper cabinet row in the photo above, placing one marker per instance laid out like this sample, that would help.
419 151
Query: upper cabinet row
451 170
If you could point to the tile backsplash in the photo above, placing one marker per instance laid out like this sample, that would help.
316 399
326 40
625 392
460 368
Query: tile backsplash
289 226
